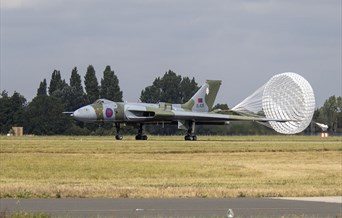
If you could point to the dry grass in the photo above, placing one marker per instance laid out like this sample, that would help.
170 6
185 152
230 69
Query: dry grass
170 167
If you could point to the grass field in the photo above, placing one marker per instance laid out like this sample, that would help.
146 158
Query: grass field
253 166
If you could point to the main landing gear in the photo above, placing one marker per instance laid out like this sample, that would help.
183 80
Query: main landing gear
118 136
140 135
190 135
190 138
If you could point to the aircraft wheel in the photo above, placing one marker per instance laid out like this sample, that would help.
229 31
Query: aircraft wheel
190 138
141 137
118 137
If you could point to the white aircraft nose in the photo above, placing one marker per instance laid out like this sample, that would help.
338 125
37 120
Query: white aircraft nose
85 114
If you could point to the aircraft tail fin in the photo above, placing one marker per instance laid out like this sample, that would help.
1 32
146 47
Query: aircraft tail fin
204 98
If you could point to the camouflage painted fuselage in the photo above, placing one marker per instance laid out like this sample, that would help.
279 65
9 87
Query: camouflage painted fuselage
108 111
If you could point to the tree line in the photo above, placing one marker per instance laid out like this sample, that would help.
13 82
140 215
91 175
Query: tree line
44 114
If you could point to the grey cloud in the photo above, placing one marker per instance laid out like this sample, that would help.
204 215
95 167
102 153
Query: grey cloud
243 43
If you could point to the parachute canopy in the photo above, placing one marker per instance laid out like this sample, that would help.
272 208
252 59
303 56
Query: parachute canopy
285 96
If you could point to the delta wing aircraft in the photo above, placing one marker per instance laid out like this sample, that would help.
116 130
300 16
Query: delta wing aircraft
197 111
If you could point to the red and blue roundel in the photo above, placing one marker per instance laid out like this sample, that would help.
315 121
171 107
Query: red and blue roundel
109 112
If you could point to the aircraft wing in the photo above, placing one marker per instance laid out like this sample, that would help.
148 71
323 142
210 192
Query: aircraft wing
185 115
137 114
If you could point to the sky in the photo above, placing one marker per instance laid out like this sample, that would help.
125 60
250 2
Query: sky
243 43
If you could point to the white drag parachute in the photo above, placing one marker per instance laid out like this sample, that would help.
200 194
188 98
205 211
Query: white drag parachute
286 96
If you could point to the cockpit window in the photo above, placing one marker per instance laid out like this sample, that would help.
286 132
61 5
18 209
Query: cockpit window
100 101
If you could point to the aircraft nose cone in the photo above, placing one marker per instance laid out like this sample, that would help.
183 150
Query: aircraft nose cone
85 114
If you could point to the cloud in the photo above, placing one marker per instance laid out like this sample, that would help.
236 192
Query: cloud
26 4
11 4
243 43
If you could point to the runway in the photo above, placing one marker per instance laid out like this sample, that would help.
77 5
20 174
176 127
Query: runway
180 207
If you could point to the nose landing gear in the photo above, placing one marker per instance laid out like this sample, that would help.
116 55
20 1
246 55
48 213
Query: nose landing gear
140 135
118 136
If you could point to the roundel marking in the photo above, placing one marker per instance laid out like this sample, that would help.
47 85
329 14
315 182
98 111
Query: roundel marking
109 112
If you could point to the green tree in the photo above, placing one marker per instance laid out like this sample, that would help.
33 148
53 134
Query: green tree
66 97
5 112
72 96
11 111
91 85
339 113
77 95
75 80
171 88
44 116
42 90
56 82
151 94
313 128
18 103
110 88
188 88
330 113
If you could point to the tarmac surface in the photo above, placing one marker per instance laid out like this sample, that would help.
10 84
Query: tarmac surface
180 207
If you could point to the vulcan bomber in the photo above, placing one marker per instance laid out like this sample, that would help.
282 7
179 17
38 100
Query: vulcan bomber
196 111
